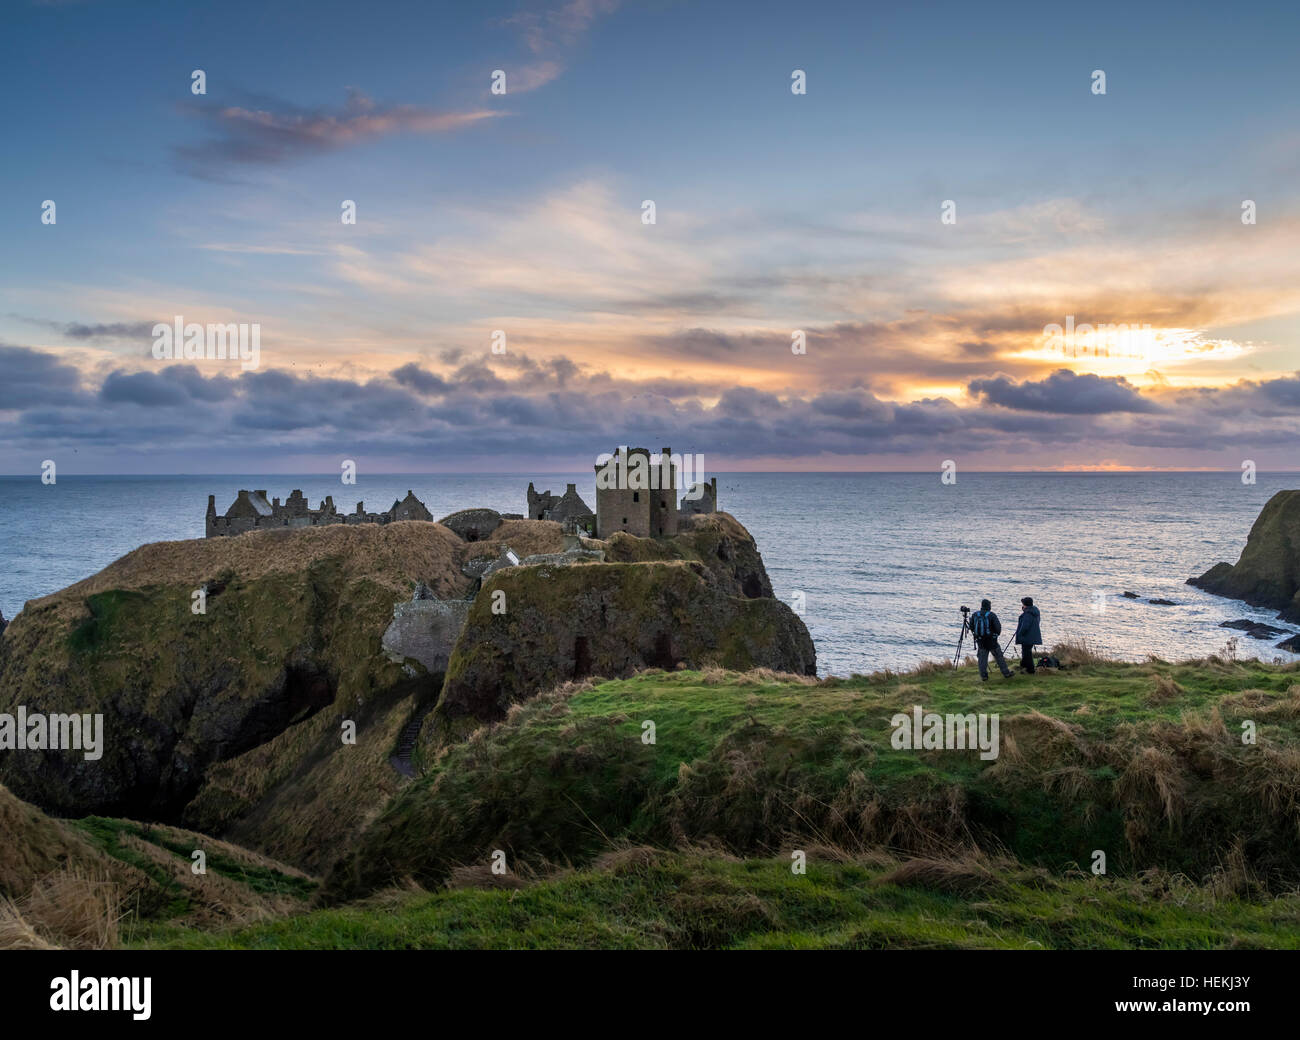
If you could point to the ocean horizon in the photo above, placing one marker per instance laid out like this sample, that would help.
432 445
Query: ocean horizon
878 563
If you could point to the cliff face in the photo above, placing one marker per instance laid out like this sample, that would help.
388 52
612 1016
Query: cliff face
270 717
716 540
532 628
230 719
1268 572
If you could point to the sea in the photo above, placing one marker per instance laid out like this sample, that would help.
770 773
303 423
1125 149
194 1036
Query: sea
878 564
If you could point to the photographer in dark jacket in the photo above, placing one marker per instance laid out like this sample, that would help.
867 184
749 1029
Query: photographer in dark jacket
985 627
1028 633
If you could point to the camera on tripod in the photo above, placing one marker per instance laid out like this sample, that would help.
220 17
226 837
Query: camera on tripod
965 627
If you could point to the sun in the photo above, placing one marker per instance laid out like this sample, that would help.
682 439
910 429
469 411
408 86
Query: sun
1129 350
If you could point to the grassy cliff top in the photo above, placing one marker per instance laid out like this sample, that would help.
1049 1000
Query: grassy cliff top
391 554
688 841
613 842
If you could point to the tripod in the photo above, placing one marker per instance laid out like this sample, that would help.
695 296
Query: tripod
965 627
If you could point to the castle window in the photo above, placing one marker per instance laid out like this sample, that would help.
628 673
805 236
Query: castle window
636 497
625 520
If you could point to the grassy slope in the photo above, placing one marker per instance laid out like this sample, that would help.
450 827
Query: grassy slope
1142 761
82 883
693 900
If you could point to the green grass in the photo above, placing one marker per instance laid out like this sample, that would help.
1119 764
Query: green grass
107 610
689 900
169 899
686 842
1143 762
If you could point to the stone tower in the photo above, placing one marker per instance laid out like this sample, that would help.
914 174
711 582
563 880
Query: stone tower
636 492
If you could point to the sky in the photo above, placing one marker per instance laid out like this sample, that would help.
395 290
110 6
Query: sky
862 275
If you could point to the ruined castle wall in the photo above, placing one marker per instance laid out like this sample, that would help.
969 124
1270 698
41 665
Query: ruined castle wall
623 509
426 630
663 504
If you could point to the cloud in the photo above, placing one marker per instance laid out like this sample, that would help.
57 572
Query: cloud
32 378
278 132
94 330
549 36
110 330
142 388
491 408
1065 393
419 379
530 77
174 385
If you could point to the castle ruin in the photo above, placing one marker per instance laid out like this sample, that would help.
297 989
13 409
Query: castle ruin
568 509
636 492
252 512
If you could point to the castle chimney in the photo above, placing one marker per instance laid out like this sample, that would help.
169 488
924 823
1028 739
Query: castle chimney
212 505
571 487
361 508
262 492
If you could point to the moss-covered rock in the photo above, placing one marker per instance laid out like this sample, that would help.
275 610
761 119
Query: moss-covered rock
286 649
1268 572
230 721
533 627
717 540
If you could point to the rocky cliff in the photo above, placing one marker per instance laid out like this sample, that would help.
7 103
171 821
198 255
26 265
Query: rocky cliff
231 719
533 627
258 687
1268 572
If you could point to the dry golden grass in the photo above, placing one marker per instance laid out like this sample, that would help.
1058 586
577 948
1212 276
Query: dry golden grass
1263 705
525 538
390 554
1077 651
1163 690
74 908
17 934
962 871
1034 742
326 793
214 899
1154 786
628 859
1234 878
392 897
33 846
480 875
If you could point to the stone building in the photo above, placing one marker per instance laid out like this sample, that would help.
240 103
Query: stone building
568 509
637 494
706 501
252 512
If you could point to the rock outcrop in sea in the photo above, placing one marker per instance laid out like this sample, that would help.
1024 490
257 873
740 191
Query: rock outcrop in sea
1268 572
